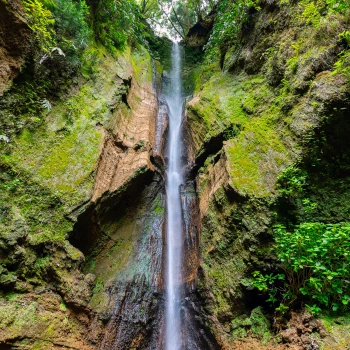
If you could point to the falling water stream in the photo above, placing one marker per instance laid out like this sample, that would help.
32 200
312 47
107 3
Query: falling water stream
135 323
174 176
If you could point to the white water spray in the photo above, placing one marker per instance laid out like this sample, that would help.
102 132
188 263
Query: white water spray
174 236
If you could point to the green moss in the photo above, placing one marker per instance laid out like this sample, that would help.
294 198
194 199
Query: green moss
62 153
257 326
61 161
260 325
222 284
224 102
63 306
158 206
30 208
141 63
338 330
257 153
40 344
26 318
111 258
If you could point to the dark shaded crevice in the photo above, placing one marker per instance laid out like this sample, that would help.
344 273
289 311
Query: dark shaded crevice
87 229
212 147
199 336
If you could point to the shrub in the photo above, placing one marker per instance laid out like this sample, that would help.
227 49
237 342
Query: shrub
292 180
60 27
316 261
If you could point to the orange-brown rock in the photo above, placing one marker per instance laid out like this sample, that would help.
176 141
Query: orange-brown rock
14 41
217 176
128 146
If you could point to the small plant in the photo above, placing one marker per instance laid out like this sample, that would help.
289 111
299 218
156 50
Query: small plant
308 206
231 132
11 185
292 180
345 37
41 21
313 309
310 12
46 104
267 283
338 5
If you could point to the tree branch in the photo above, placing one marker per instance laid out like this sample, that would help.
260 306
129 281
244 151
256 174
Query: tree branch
178 21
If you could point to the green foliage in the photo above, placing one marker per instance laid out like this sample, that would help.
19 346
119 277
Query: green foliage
316 261
342 65
71 26
148 8
313 309
231 132
63 306
309 12
228 23
291 181
177 17
182 18
62 32
116 23
338 5
41 21
267 284
345 36
58 23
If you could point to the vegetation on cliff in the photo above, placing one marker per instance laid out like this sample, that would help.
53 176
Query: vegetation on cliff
268 131
269 108
86 75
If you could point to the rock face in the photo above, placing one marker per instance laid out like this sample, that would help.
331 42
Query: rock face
83 177
15 38
128 146
199 34
259 110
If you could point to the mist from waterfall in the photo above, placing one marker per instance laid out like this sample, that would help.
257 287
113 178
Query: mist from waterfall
174 180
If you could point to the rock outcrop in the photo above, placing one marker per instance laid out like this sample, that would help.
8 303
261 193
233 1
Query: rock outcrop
15 38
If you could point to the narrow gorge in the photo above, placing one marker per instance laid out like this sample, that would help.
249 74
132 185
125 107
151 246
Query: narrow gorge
174 175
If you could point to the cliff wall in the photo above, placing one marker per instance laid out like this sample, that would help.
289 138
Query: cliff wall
275 99
70 172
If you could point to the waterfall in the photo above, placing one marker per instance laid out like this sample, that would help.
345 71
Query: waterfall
174 234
